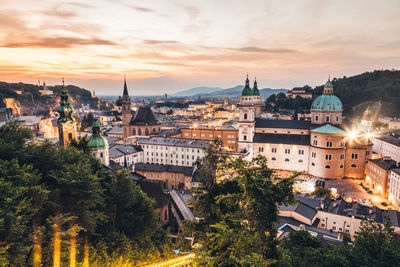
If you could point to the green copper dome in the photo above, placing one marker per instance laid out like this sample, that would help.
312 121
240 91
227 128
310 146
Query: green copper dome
97 141
327 103
255 88
247 91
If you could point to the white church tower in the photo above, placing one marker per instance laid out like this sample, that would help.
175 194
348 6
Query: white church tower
249 111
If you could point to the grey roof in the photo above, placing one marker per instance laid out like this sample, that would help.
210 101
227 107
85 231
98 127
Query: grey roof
179 142
115 129
306 211
144 116
164 168
284 124
390 139
119 150
385 164
396 171
291 139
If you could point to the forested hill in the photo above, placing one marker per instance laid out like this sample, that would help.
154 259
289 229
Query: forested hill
367 89
29 99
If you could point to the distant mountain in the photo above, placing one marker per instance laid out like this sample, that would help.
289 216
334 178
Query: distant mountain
229 92
197 91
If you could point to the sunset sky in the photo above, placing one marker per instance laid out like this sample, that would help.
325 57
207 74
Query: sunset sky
166 46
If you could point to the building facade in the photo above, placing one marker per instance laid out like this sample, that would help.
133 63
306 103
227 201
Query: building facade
394 187
378 175
229 136
172 151
169 176
320 147
387 145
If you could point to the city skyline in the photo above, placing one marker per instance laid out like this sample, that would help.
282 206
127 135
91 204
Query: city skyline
169 46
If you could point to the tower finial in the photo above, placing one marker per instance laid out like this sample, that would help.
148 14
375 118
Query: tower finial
329 78
63 81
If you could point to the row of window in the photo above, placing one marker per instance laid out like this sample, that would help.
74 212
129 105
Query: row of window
327 118
172 148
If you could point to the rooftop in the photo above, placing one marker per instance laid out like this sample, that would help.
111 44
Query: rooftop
119 150
144 116
164 168
385 164
289 139
283 124
179 142
328 129
390 139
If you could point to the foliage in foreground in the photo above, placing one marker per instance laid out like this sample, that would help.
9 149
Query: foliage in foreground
42 185
238 214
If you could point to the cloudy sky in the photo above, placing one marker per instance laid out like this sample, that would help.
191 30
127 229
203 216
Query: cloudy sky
170 45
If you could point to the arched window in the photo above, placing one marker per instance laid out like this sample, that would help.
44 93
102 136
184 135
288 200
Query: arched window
139 131
133 131
316 118
287 160
300 160
337 118
313 164
245 116
273 159
353 165
154 130
327 118
327 167
341 166
146 131
101 154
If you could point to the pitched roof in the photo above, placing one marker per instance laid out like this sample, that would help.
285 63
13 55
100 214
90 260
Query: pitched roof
328 129
290 139
284 124
144 116
385 164
164 168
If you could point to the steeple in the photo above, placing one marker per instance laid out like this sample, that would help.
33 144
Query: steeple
125 94
65 110
255 88
247 90
328 87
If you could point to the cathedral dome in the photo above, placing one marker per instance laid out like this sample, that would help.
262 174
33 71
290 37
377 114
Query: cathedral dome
327 103
97 141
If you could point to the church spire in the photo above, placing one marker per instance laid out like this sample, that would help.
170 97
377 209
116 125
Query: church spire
65 110
247 90
255 88
125 94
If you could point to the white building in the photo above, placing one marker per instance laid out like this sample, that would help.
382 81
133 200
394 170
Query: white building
172 151
387 146
126 155
394 187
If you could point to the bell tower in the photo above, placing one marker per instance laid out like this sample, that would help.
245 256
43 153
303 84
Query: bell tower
66 123
126 106
247 116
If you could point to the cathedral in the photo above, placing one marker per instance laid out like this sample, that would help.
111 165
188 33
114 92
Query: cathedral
320 147
143 123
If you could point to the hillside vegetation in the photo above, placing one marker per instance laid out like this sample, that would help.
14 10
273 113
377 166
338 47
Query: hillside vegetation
380 90
31 101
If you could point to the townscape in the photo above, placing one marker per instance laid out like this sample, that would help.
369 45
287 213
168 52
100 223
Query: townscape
199 133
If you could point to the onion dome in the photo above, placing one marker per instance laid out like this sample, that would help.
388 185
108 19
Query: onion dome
65 110
327 101
96 140
255 88
247 90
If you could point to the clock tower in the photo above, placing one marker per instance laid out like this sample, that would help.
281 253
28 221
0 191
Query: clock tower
66 123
